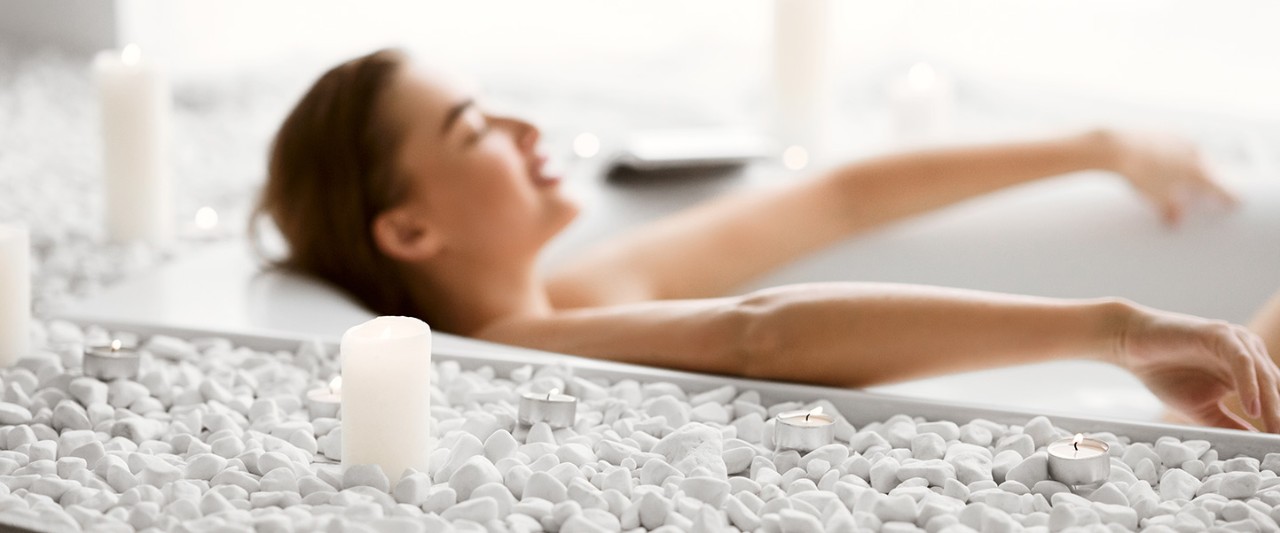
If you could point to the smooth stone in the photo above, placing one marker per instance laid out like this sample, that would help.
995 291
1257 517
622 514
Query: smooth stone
88 391
1173 454
949 431
654 510
750 427
1177 484
976 435
1041 431
1022 444
706 489
68 415
543 486
474 472
693 446
1239 484
365 476
900 508
1003 463
12 415
926 446
936 471
1031 470
121 393
1110 494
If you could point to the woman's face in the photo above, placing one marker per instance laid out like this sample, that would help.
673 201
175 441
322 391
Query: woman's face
476 178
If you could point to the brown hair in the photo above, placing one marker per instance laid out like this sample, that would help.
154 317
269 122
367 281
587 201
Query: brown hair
331 172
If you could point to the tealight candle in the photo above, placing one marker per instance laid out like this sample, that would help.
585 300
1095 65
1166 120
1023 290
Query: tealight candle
325 402
1079 461
557 410
804 431
113 361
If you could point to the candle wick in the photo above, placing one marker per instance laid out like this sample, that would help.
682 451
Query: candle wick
1076 445
806 416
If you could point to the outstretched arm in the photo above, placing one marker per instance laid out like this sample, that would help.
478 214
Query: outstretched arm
857 334
716 247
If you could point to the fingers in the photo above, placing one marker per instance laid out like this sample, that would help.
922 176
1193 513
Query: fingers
1223 417
1268 381
1244 371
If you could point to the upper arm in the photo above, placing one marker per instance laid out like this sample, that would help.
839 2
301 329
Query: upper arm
706 251
696 335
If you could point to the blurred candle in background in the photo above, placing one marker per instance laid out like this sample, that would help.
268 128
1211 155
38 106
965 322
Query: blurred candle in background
801 74
134 99
15 293
921 103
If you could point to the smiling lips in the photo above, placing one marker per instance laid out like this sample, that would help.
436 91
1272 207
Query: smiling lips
540 178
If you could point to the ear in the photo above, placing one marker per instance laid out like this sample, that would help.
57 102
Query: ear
404 235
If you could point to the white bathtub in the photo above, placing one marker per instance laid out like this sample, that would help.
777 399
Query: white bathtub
1077 236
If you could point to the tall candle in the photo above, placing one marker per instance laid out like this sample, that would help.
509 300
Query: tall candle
386 395
15 293
801 73
922 104
134 99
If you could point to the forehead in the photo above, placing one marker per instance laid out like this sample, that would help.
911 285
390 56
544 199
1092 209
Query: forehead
423 94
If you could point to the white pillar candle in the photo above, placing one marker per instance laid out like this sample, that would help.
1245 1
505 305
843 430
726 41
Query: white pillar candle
134 99
921 104
15 293
386 394
801 74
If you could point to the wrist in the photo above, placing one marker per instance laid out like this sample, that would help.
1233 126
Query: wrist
1116 319
1103 149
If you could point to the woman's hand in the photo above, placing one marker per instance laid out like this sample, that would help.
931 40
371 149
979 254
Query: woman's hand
1193 364
1166 169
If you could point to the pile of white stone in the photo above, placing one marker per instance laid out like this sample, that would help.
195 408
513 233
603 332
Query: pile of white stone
213 436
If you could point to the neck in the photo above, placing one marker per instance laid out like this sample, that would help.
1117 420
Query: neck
462 299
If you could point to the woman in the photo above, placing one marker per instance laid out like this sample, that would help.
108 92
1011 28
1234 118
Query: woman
440 211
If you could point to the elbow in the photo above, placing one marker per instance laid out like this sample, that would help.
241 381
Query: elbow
755 340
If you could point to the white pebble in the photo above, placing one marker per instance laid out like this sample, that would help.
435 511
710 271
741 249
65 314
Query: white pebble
654 510
693 446
365 476
1176 484
123 392
1237 485
479 510
12 415
1031 470
1041 431
412 489
473 473
88 391
1173 454
706 489
928 446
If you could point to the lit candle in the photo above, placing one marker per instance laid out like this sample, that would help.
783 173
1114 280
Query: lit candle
804 430
325 402
15 286
386 395
134 99
113 361
1079 461
557 410
801 73
921 104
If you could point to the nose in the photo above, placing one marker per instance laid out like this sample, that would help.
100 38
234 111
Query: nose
524 132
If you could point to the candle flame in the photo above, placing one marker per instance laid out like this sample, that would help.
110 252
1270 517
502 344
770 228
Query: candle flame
816 411
922 76
206 218
335 386
552 392
1075 442
795 157
131 54
115 345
